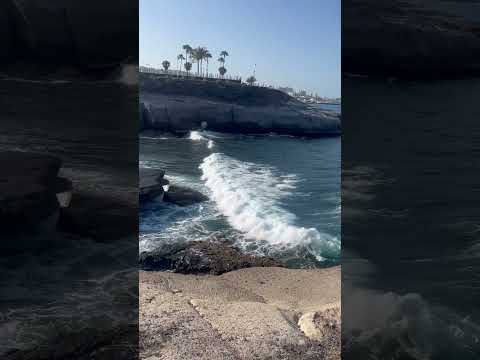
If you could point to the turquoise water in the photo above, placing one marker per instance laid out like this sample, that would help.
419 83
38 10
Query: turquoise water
271 194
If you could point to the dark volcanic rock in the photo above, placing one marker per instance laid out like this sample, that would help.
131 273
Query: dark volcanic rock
183 196
28 185
151 184
200 257
102 218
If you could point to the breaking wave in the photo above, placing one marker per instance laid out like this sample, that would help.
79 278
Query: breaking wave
250 196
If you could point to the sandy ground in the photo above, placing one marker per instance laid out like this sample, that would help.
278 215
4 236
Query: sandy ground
254 313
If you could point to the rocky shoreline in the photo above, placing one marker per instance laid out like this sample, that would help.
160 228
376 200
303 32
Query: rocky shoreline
209 300
255 313
182 105
212 257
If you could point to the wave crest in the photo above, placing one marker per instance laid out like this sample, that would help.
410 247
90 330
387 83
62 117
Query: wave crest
250 195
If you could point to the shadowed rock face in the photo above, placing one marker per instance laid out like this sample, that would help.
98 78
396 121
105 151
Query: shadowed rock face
402 38
28 186
90 34
178 106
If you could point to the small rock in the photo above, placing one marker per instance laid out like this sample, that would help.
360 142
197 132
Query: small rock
183 196
151 184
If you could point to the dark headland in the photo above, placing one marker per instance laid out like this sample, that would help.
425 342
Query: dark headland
179 105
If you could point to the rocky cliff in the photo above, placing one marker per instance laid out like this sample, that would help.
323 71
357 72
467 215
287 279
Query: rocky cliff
180 105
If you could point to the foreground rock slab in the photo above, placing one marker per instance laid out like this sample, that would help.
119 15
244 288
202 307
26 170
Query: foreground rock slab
246 314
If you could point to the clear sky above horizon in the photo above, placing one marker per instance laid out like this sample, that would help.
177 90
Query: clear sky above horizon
292 43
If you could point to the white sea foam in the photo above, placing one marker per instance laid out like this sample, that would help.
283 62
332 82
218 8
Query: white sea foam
201 136
195 135
250 196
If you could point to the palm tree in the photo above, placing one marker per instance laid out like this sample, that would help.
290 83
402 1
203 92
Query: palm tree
202 54
207 56
223 54
188 51
195 57
188 66
221 60
198 54
166 65
180 58
251 80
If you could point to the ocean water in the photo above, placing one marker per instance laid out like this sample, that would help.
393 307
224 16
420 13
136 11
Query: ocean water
55 286
269 195
410 220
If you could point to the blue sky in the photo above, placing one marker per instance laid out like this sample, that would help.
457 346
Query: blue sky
293 43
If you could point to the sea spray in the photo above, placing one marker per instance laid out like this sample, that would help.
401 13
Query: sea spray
201 136
250 195
196 135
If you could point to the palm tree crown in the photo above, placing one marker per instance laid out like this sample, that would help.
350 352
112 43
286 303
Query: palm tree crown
188 50
180 59
198 55
207 56
223 55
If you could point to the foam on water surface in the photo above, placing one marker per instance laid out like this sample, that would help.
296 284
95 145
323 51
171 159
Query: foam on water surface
250 196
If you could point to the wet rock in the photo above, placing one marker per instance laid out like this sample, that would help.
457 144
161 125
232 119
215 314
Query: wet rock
151 184
27 190
183 196
102 218
211 257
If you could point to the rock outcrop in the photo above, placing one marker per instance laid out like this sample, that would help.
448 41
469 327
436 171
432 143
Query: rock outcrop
241 315
151 184
179 106
29 188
